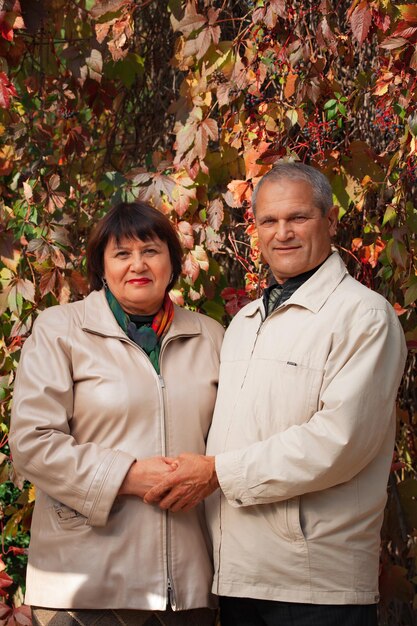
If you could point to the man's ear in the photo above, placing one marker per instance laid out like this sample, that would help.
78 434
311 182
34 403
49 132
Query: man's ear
333 218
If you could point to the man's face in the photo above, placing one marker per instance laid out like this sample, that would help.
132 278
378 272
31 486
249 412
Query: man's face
294 237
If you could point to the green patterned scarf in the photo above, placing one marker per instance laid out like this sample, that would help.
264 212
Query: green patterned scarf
146 337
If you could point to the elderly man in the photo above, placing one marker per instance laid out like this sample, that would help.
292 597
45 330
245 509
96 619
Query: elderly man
303 431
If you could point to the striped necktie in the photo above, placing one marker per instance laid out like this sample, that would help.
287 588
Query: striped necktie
274 298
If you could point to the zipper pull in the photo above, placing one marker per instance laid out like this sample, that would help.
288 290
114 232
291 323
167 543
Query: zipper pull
171 595
161 380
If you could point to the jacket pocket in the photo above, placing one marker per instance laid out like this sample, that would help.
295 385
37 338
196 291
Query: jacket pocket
68 518
284 518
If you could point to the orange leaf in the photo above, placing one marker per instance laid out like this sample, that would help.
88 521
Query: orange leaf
289 89
408 12
251 157
241 190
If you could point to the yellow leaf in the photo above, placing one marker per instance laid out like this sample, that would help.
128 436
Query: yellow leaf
12 264
32 493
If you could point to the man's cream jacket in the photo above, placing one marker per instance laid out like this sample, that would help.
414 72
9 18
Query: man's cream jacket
303 434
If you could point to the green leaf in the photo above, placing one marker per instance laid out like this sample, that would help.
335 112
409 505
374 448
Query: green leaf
390 215
411 292
330 104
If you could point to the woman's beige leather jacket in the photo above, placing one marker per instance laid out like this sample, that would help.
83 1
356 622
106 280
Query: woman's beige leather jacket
88 403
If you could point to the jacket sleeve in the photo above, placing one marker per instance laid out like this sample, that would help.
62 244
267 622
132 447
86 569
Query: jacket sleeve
356 412
85 477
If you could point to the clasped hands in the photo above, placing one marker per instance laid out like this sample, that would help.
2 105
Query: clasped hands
177 484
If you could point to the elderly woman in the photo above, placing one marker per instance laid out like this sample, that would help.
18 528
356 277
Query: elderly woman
108 389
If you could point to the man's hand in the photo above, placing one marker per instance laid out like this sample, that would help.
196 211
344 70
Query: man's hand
194 479
146 473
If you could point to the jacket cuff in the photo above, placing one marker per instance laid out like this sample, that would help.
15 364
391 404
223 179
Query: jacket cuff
229 475
105 487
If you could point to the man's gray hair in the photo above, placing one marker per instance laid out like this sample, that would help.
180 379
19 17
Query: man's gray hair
322 191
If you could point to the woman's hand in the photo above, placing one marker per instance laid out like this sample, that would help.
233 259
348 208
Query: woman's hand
145 474
194 479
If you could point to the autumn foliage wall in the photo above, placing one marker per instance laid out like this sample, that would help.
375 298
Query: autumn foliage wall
186 104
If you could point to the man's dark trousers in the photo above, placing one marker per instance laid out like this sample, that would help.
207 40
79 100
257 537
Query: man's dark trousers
251 612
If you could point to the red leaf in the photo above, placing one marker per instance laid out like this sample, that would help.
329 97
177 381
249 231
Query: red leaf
404 30
235 299
326 36
360 21
6 90
5 581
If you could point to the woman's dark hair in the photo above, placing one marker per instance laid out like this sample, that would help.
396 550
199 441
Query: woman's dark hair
131 220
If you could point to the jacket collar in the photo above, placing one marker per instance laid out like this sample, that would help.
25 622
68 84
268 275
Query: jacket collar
313 294
99 319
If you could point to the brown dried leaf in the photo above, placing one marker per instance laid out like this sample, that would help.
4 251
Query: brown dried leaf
201 257
78 282
392 43
28 192
57 257
48 282
185 137
53 182
106 6
26 288
413 60
6 243
191 22
102 30
215 214
94 63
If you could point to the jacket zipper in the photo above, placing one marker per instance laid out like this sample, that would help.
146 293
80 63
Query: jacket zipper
170 586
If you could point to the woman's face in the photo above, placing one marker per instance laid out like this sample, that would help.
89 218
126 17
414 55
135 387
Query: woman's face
138 273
